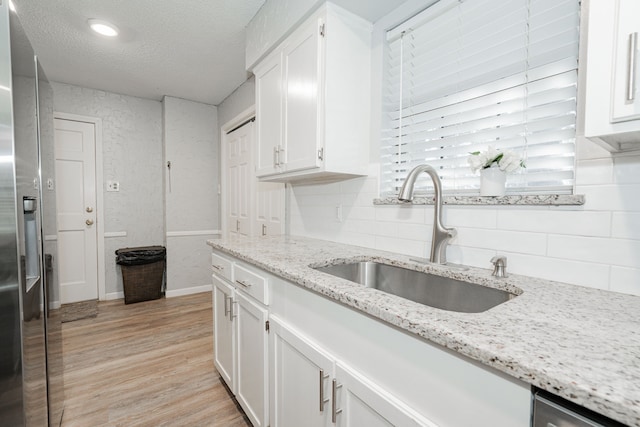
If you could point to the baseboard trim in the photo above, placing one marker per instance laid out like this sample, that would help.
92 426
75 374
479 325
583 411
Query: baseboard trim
114 295
169 293
193 233
188 291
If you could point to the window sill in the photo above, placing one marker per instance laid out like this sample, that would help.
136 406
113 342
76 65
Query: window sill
535 200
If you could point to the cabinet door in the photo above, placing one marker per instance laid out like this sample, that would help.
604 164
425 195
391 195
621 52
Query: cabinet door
269 208
269 115
252 367
360 402
223 339
300 379
626 79
302 71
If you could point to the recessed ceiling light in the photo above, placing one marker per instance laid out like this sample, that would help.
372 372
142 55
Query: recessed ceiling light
103 27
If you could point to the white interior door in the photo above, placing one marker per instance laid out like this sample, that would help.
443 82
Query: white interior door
240 176
76 210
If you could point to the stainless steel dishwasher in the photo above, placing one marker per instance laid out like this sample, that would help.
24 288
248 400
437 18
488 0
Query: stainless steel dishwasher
553 411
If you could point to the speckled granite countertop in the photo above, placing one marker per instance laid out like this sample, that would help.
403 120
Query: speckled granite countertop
579 343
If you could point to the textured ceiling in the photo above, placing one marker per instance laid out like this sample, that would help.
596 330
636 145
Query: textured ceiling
191 49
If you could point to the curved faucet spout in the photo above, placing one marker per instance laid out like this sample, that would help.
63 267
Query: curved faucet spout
441 234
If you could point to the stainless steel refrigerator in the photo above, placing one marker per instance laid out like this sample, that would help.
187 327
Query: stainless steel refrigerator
31 389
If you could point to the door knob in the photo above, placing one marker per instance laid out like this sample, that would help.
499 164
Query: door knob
89 222
89 209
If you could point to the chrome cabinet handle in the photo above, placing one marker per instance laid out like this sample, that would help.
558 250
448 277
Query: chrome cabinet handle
322 399
89 222
243 283
275 156
334 406
631 70
217 267
227 309
232 315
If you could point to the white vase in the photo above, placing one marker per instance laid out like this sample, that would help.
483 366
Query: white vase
492 182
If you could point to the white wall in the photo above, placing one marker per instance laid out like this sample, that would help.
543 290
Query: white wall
132 155
191 144
241 99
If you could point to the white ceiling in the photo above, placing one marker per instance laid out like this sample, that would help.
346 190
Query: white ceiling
191 49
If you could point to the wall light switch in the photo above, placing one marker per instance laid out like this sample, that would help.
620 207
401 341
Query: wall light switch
50 184
113 186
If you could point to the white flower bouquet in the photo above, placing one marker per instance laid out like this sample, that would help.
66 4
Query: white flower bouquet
507 160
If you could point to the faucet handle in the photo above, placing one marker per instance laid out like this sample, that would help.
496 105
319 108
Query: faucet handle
500 266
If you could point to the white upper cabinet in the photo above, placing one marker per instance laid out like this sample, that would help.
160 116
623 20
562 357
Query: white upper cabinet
312 100
626 96
612 97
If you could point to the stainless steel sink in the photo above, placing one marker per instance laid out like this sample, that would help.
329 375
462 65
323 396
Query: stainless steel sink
424 288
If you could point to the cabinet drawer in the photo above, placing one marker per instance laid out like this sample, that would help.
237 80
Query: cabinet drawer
222 267
251 283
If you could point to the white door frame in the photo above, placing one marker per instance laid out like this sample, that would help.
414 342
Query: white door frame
97 123
244 116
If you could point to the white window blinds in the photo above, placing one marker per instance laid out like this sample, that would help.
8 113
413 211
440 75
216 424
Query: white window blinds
463 75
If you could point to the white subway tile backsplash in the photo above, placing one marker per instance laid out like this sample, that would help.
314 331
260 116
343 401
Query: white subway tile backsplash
625 225
474 257
402 246
626 170
420 232
359 212
364 227
625 280
596 171
387 229
619 252
595 245
500 240
622 197
359 185
575 272
465 216
587 223
405 213
357 239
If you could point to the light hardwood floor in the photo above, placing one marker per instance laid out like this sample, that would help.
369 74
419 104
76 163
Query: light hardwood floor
145 364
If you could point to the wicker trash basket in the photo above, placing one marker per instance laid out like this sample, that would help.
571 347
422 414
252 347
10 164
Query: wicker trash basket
142 272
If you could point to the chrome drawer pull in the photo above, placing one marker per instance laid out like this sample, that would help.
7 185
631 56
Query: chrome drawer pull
243 283
217 267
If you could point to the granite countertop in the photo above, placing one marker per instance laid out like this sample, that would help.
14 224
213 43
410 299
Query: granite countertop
579 343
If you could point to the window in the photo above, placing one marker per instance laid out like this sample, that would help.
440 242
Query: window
463 75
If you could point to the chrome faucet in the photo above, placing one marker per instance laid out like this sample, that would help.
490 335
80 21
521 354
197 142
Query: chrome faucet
499 266
441 234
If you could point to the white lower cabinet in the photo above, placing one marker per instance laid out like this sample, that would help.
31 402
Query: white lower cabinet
359 402
300 379
240 347
223 336
251 354
322 364
312 388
